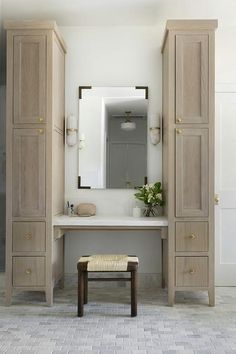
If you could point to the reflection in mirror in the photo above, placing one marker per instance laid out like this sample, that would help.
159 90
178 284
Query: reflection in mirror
113 137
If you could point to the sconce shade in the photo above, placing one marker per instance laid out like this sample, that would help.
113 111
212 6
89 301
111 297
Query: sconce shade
71 122
71 130
71 138
155 135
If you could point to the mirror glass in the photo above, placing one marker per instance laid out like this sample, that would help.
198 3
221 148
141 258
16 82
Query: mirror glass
112 137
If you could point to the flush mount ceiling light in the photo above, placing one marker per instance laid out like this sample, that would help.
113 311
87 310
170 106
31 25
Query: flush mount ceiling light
128 124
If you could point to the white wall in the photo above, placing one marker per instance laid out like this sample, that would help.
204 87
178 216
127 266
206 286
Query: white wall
226 55
112 56
122 56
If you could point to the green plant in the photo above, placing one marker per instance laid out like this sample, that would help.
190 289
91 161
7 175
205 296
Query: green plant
151 195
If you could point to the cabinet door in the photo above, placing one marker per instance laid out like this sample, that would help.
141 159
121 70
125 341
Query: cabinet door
28 172
192 78
29 79
192 172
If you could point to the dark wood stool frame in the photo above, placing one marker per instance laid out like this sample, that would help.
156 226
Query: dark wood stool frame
83 284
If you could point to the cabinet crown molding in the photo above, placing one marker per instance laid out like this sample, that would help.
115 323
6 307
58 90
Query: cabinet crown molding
188 25
35 25
191 24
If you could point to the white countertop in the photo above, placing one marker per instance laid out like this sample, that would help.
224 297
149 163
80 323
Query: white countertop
64 220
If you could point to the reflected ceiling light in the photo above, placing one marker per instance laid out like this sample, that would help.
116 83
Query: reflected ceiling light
128 124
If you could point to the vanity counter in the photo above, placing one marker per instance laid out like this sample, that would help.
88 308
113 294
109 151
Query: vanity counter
64 221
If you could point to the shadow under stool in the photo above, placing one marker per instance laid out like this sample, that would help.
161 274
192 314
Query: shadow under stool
103 264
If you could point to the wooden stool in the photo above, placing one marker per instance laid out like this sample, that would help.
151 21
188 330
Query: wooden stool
106 263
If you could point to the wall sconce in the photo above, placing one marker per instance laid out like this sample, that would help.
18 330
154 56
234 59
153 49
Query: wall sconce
71 130
155 135
82 141
155 131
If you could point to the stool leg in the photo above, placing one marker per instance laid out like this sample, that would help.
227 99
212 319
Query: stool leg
133 293
85 287
80 293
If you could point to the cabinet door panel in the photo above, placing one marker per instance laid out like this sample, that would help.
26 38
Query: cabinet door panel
192 172
29 79
192 78
29 172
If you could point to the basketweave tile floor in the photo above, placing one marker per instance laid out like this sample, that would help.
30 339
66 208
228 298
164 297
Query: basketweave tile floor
29 326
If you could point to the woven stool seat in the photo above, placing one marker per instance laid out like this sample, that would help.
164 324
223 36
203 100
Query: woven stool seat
106 263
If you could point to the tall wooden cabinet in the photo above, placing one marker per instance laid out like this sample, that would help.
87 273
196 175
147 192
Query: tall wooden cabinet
188 154
35 155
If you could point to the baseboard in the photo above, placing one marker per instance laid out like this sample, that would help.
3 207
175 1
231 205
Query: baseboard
145 280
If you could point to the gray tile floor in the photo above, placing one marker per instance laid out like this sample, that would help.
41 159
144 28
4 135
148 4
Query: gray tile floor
29 326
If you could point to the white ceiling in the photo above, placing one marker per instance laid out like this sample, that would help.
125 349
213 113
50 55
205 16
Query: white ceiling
84 12
119 12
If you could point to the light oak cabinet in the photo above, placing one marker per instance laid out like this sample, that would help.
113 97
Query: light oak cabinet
35 155
188 154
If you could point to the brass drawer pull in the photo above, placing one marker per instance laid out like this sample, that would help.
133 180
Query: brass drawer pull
41 119
179 120
40 131
28 237
178 131
28 271
192 237
192 271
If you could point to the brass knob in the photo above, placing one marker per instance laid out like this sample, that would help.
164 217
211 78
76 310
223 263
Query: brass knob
40 131
41 119
28 271
179 120
192 237
192 271
28 236
178 131
217 199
